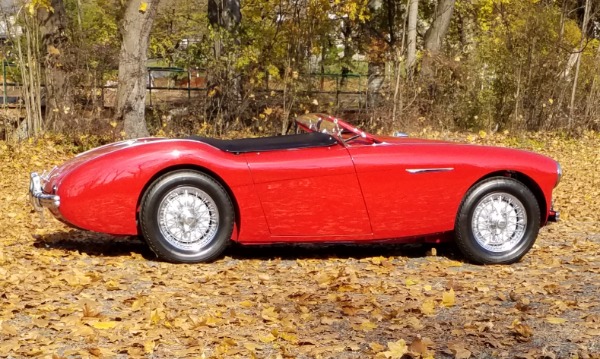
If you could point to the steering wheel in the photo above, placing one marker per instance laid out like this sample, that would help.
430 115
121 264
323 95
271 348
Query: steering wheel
316 126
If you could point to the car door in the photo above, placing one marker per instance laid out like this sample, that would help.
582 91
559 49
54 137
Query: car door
311 193
409 189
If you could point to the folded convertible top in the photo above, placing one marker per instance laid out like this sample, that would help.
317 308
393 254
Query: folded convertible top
261 144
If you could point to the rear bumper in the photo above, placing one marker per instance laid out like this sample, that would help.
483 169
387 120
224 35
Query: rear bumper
39 199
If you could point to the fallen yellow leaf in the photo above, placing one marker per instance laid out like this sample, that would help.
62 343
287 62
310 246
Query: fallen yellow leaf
289 337
104 325
149 346
269 314
367 326
155 316
267 338
246 304
396 350
554 320
428 307
448 298
459 350
376 347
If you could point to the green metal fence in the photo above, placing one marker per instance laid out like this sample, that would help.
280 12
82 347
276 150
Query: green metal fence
194 80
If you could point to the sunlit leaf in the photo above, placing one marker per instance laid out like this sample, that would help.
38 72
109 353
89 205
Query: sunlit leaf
459 350
428 307
104 325
396 349
448 298
267 338
367 326
554 320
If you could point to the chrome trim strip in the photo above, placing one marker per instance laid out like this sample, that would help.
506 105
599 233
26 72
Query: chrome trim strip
429 170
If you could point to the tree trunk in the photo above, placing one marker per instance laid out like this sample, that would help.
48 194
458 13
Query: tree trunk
466 28
435 35
411 56
592 104
376 66
29 60
58 70
224 13
584 29
348 53
134 29
375 80
224 84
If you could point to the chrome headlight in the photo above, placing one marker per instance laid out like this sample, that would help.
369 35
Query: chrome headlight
559 173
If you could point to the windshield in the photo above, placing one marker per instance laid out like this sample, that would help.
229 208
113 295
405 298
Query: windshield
318 122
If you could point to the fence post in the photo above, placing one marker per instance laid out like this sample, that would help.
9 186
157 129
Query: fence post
189 84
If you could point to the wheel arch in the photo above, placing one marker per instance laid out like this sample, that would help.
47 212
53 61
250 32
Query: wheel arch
197 168
525 180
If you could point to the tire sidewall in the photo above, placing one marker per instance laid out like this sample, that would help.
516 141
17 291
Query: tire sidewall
466 239
150 222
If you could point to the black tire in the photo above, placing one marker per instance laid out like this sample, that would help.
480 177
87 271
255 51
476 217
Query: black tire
476 210
186 199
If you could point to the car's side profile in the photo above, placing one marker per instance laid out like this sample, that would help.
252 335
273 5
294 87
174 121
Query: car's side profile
189 197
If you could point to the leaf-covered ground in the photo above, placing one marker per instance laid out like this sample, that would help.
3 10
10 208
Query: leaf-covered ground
67 293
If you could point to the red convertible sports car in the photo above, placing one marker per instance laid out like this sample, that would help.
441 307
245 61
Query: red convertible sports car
329 182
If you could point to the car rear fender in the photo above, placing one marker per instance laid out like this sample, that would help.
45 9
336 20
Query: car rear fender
204 170
103 192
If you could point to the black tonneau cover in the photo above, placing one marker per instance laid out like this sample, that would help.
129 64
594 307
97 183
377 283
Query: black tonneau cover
261 144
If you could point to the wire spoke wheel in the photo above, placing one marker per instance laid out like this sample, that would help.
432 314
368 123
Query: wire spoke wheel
499 222
188 218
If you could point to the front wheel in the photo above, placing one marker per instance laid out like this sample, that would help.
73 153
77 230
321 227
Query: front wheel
186 217
498 222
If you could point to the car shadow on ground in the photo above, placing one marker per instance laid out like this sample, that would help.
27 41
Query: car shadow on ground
93 244
98 244
340 250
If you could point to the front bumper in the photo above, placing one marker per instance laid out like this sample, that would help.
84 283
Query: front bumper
554 216
39 199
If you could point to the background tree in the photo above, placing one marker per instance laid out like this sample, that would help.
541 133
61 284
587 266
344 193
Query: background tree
489 64
24 33
134 29
587 8
95 44
435 35
58 67
411 37
225 85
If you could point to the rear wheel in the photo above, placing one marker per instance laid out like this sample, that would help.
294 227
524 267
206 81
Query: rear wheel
186 216
498 221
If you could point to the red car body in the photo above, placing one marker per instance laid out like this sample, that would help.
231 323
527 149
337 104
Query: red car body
369 188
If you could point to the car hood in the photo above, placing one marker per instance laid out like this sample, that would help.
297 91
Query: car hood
475 153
